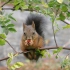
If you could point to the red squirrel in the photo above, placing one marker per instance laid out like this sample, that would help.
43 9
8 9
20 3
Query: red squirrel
31 39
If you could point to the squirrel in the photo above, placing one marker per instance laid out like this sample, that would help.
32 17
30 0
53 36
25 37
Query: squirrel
32 38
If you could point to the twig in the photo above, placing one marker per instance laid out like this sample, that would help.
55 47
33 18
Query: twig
48 48
53 26
18 9
6 3
4 58
65 22
14 54
8 43
54 35
67 55
8 9
40 49
16 5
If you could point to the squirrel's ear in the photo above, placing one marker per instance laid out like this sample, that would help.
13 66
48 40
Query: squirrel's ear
24 26
33 24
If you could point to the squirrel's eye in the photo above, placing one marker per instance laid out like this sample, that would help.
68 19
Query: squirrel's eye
33 33
24 33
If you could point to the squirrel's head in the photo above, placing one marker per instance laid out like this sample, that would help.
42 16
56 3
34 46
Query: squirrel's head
29 33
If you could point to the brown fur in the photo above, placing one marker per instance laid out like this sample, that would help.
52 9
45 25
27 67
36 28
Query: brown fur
38 43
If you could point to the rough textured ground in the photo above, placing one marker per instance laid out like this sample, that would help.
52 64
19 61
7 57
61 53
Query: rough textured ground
49 64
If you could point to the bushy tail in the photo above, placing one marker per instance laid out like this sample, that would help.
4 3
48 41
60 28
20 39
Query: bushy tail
38 20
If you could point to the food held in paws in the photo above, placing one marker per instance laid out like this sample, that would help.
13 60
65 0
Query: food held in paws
28 42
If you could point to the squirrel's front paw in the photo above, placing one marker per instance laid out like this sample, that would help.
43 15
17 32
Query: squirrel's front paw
28 42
